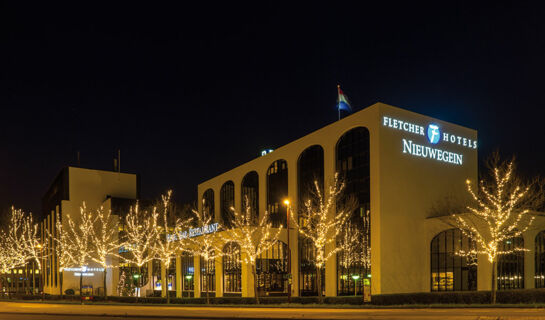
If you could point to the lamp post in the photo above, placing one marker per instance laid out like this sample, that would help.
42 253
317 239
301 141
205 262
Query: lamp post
287 203
355 277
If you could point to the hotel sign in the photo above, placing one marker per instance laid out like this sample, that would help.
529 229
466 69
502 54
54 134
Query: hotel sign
434 135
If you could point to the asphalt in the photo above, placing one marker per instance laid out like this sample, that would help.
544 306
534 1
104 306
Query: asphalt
46 311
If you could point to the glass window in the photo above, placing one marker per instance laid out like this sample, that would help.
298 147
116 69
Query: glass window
250 194
310 169
227 200
208 203
277 191
188 273
232 268
511 266
352 163
208 275
450 271
272 270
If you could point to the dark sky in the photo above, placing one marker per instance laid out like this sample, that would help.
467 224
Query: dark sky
189 91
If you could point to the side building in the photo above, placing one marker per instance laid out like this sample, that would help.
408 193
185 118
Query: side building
71 188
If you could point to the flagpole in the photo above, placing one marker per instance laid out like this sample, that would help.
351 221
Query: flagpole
339 99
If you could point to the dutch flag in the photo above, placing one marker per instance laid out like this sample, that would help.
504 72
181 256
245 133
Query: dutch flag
342 103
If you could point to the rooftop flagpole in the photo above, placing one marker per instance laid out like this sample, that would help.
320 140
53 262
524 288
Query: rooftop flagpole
339 100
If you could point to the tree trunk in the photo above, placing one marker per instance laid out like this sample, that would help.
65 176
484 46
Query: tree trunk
81 285
166 284
60 283
256 294
493 291
105 293
319 284
33 278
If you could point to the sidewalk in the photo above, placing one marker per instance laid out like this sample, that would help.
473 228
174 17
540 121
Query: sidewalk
180 312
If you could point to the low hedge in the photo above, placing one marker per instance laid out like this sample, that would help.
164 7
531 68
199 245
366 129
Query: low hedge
461 297
426 298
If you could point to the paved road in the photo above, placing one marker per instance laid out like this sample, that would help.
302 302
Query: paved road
19 311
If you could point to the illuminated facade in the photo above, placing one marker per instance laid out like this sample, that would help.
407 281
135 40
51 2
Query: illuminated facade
398 165
113 191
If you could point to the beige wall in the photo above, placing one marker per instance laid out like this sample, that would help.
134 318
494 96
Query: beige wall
403 188
93 187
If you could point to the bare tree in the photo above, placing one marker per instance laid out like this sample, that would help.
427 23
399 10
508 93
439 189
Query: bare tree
139 236
502 209
321 221
105 242
78 238
204 243
254 238
166 244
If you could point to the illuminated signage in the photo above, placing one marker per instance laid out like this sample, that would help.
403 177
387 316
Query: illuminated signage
194 232
434 136
84 271
265 152
433 132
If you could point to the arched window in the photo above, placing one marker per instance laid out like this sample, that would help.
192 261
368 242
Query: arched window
449 271
352 164
277 191
188 274
310 168
250 194
511 266
227 200
208 275
271 269
540 260
232 269
208 206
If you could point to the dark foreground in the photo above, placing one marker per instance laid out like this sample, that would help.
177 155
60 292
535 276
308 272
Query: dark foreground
17 311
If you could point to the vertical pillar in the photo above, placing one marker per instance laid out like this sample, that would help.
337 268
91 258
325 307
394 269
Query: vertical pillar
331 264
219 276
294 234
247 280
529 265
178 276
164 280
197 276
484 273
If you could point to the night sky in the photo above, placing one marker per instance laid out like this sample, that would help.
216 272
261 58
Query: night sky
189 91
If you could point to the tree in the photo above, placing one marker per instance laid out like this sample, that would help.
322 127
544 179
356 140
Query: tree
502 209
321 221
205 244
139 236
355 249
253 238
165 247
33 249
60 247
104 241
12 246
78 238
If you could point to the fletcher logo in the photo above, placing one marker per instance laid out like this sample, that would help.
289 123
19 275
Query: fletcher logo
433 133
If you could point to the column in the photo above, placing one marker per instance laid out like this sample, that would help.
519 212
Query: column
178 276
331 264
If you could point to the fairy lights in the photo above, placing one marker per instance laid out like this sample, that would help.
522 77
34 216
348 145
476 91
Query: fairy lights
253 238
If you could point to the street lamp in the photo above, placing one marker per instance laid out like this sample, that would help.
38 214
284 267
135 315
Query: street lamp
355 277
287 204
